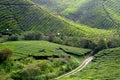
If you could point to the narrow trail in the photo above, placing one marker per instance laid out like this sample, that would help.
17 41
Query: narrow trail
80 67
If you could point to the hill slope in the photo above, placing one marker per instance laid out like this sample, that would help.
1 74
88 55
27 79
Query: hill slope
60 5
24 48
22 15
104 66
39 60
99 13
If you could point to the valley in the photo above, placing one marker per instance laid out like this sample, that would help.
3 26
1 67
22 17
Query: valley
59 40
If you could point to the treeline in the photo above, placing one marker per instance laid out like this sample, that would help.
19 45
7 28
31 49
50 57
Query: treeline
97 43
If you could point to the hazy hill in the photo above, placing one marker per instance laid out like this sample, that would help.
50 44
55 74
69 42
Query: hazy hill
60 5
94 13
98 13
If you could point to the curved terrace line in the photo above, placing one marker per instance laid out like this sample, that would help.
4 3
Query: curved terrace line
108 14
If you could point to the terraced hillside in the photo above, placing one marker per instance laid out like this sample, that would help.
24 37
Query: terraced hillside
105 66
99 13
60 5
33 47
22 15
22 20
37 60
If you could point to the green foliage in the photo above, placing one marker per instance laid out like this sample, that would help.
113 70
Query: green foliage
11 38
34 18
27 73
91 13
2 40
43 70
114 42
22 49
32 35
58 40
60 6
38 24
102 44
25 67
5 54
84 43
105 66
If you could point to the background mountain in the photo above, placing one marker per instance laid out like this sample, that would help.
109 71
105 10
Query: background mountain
94 13
18 16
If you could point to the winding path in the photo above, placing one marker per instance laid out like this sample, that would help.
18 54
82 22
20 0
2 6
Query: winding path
84 64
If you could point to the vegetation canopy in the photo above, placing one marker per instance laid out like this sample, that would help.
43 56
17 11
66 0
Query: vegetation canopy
59 39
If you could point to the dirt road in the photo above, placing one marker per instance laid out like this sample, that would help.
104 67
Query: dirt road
84 63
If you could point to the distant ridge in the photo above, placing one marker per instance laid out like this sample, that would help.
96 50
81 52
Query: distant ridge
9 4
102 14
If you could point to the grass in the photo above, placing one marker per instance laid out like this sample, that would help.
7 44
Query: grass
105 66
24 48
21 64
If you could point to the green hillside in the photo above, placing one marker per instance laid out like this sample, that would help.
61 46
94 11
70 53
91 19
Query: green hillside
19 18
31 29
105 66
60 5
37 60
99 13
23 48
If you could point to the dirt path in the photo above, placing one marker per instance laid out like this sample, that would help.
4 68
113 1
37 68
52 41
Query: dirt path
84 63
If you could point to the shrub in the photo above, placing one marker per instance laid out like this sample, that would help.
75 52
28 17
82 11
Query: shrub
2 40
43 66
12 38
102 44
57 62
5 54
28 73
69 41
0 35
57 40
84 43
31 35
114 43
51 37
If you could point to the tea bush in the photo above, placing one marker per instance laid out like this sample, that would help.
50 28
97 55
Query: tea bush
5 54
